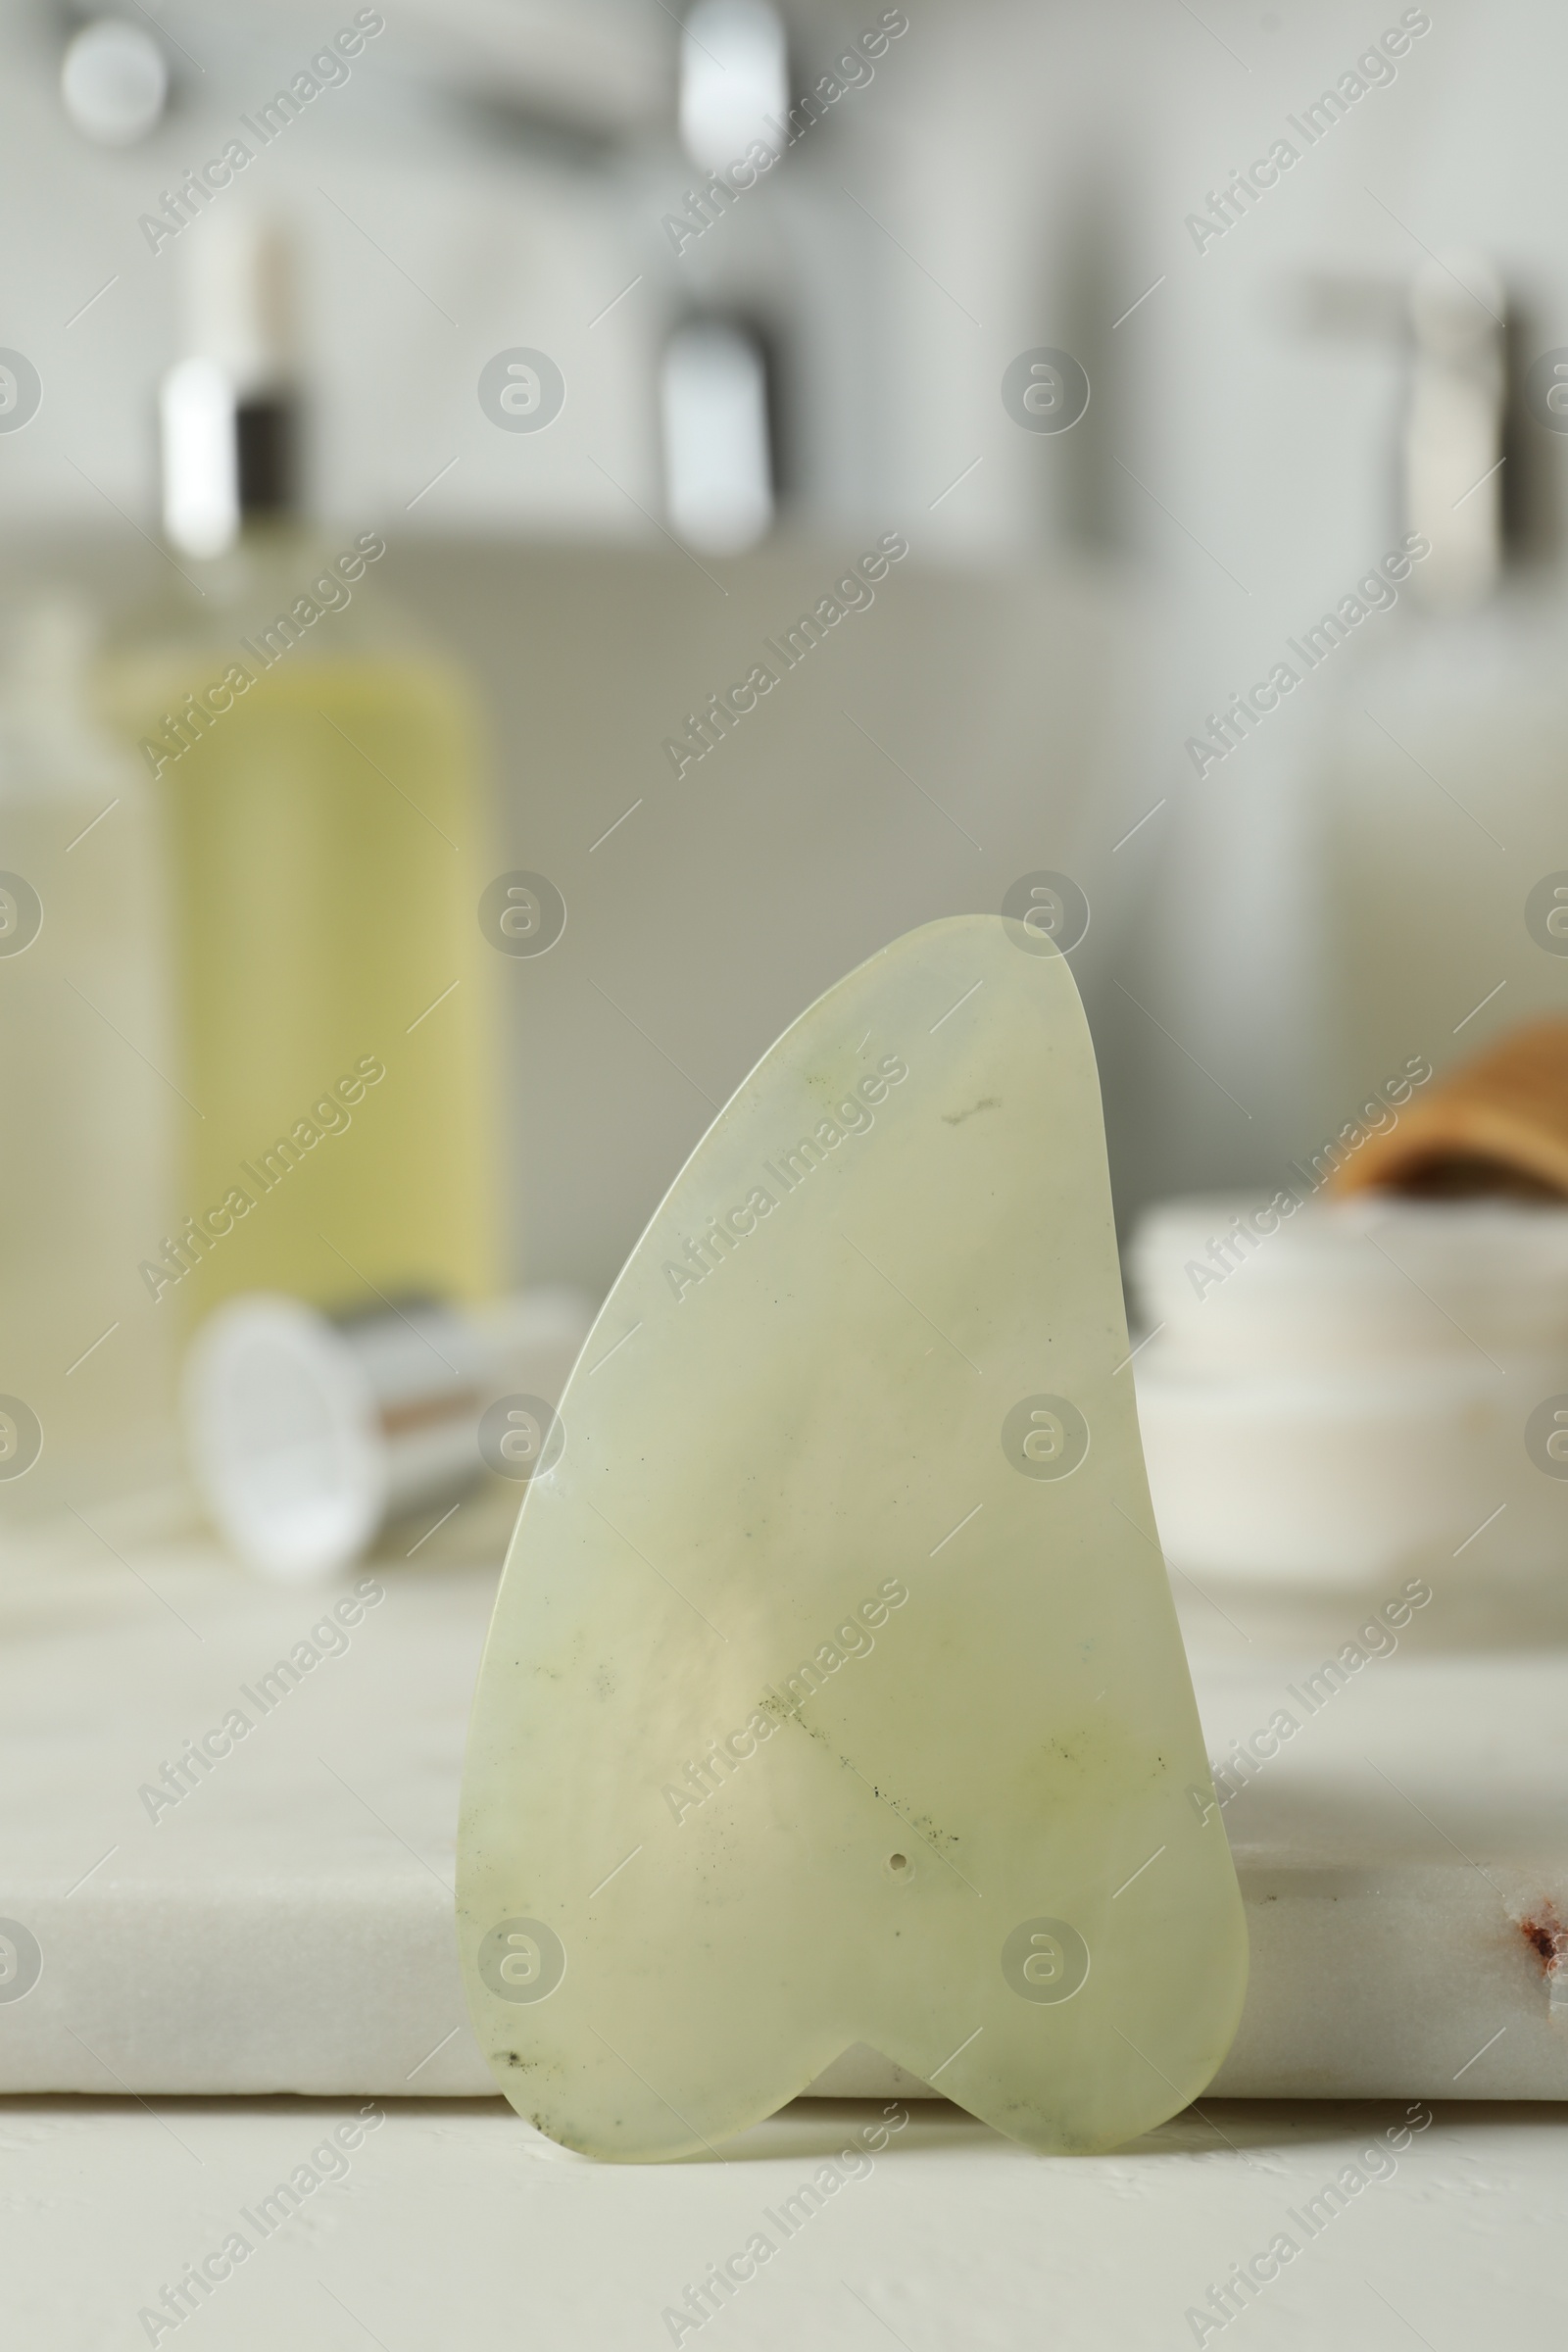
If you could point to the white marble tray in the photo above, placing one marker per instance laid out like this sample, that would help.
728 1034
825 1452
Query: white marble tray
286 1925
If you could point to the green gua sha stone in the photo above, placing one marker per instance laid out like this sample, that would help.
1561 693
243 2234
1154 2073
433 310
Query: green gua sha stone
834 1692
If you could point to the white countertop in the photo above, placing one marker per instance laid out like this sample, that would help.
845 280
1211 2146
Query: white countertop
455 2226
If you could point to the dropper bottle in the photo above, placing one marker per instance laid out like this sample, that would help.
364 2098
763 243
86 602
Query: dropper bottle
1440 793
320 774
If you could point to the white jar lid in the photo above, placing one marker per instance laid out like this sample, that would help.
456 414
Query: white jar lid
1376 1277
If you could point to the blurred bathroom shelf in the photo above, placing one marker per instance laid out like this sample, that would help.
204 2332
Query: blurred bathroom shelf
280 1917
600 65
607 66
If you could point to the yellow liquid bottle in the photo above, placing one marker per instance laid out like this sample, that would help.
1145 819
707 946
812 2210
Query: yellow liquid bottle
320 777
321 841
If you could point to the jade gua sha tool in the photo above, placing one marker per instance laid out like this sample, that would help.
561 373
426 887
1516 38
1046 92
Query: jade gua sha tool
834 1692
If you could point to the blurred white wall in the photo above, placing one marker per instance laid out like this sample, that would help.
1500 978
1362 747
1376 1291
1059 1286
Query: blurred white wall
1041 164
1011 175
